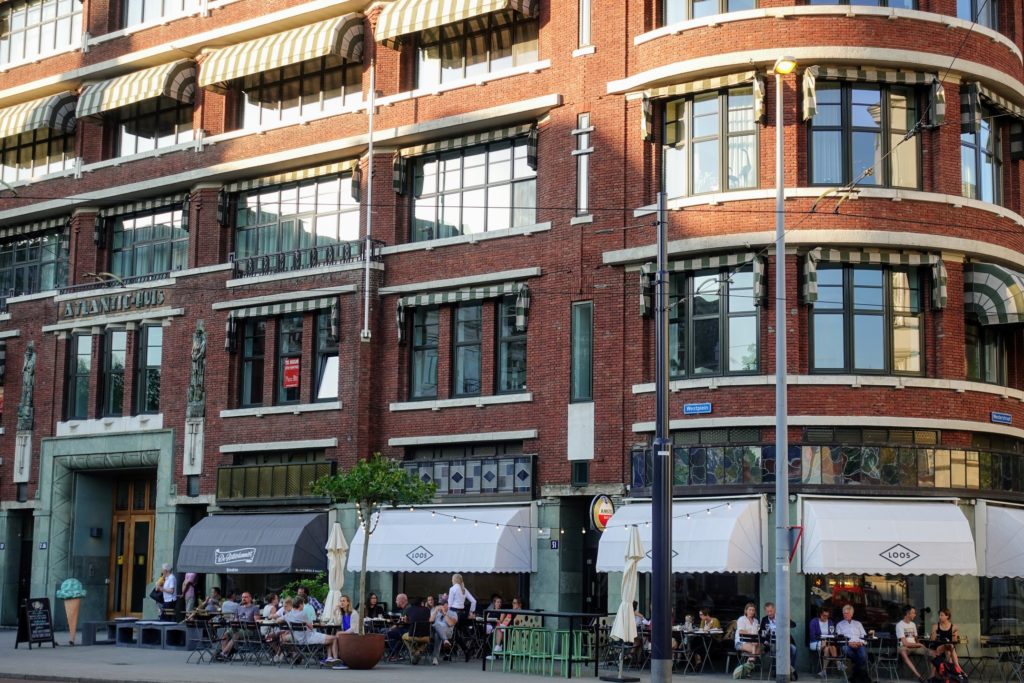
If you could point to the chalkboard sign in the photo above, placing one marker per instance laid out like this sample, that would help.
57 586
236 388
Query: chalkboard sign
35 623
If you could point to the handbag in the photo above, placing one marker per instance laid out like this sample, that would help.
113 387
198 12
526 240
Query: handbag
157 595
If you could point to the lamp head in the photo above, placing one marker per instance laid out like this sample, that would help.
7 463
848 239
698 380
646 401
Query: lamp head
784 66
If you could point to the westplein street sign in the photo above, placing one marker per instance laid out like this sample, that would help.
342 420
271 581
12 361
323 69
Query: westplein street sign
114 303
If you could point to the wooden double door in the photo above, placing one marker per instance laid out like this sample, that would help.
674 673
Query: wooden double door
131 546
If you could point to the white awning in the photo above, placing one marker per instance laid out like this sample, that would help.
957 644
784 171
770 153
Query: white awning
886 537
403 17
176 80
726 540
1004 541
481 539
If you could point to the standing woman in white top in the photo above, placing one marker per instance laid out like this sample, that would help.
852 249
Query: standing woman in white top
747 625
457 596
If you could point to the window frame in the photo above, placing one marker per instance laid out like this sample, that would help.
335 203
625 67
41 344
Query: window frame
288 335
137 115
123 256
881 3
987 337
182 8
991 7
681 307
506 337
723 8
584 148
722 135
457 346
846 131
78 377
109 406
584 26
60 153
419 320
576 359
252 362
62 42
143 368
849 312
19 267
990 118
271 111
327 347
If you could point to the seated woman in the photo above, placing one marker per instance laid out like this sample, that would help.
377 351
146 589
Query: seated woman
374 609
504 621
444 620
345 617
945 635
823 626
747 640
706 622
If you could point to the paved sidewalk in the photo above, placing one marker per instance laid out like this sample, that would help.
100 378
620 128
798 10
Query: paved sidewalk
111 664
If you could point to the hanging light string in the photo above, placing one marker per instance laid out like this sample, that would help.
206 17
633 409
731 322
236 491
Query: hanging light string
692 515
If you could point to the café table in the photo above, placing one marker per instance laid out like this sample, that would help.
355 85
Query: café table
704 638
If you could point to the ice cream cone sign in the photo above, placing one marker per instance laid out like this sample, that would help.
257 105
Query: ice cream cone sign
71 592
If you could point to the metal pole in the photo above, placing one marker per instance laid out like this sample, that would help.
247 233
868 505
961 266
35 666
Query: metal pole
661 513
364 334
782 601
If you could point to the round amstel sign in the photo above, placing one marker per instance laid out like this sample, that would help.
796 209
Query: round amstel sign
601 510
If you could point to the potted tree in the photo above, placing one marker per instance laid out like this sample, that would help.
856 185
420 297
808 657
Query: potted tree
371 485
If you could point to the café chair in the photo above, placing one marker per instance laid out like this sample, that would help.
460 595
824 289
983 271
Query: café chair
416 640
887 660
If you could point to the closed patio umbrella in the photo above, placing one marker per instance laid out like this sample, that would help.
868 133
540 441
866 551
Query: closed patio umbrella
337 551
624 627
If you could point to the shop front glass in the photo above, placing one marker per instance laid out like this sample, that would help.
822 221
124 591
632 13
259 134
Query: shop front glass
724 594
1002 606
482 586
877 600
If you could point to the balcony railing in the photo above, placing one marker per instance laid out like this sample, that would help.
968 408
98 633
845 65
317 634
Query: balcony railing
262 483
299 259
507 476
910 467
112 282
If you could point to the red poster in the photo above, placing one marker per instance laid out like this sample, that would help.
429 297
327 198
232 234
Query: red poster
291 373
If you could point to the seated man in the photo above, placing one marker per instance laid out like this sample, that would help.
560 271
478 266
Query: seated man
246 613
229 607
855 649
768 625
314 605
906 634
212 603
396 632
418 636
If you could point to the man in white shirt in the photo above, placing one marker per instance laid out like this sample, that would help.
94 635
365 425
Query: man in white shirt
855 635
906 634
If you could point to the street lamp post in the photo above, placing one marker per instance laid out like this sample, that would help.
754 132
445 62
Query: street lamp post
783 66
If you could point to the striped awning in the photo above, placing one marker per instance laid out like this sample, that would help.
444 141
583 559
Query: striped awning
292 176
863 74
703 85
341 36
734 261
1011 109
56 112
518 289
176 80
29 229
875 257
144 205
994 294
403 17
970 108
284 308
399 163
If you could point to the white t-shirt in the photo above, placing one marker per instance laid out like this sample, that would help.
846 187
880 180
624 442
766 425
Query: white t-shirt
905 630
170 588
745 626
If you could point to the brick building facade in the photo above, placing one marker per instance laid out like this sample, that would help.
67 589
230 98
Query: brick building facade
457 281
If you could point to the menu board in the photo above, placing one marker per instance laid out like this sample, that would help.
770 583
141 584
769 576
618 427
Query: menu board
35 623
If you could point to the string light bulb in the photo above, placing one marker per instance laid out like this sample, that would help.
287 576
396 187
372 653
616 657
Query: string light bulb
519 528
433 513
476 523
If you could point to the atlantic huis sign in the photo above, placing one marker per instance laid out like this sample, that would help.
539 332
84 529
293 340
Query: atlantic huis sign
115 303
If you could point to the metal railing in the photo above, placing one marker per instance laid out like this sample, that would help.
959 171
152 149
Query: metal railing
310 257
116 282
511 475
251 483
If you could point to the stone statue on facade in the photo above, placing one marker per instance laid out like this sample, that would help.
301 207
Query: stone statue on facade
28 382
197 378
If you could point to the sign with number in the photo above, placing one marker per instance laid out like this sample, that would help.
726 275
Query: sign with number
291 373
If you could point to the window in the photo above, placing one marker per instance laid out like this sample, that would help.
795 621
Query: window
987 350
149 359
706 151
985 12
79 369
36 28
34 264
867 319
711 313
467 341
312 213
424 353
36 153
582 153
901 4
472 190
860 126
326 360
253 342
981 160
289 359
582 364
511 349
681 10
1002 606
136 12
583 39
152 124
148 243
115 353
477 46
309 88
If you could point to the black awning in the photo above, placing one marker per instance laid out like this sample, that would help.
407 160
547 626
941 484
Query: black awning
256 544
